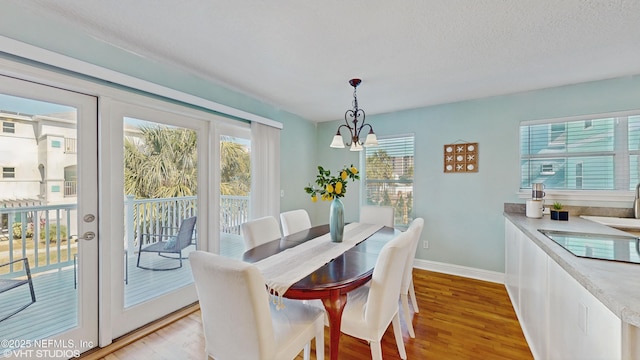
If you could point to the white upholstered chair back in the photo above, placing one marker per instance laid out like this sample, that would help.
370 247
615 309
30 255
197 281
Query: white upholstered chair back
371 308
382 215
384 289
407 289
239 320
235 307
259 231
294 221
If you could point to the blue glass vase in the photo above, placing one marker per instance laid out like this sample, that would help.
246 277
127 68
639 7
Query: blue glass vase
336 220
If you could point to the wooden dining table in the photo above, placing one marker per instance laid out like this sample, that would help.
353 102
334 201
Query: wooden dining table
332 281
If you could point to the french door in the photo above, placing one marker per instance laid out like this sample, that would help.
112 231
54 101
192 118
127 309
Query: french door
158 187
49 228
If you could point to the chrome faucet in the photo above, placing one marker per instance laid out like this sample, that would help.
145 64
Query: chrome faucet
636 203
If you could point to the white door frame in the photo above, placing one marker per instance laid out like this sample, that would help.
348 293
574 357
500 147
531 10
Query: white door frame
123 320
85 335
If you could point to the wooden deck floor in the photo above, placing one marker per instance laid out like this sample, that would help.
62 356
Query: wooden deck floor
143 285
54 310
56 298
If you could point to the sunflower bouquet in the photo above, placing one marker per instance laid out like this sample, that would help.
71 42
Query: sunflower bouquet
330 187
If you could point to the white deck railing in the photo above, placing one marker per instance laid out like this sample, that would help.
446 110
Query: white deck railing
56 230
156 216
45 235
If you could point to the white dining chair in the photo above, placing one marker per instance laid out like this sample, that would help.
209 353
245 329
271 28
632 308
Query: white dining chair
382 215
294 221
407 289
239 320
371 308
259 231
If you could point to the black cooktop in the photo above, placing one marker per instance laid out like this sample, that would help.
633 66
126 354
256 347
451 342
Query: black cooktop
598 246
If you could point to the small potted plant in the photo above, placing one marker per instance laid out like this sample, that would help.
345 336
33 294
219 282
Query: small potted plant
557 213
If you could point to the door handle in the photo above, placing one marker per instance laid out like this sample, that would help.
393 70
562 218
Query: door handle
89 235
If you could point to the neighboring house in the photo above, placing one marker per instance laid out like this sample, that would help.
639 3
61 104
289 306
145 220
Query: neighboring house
594 154
38 160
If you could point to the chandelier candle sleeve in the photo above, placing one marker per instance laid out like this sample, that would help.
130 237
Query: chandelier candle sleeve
354 116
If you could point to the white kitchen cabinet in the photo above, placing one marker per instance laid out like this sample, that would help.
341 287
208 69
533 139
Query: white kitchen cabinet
559 317
512 263
534 296
580 326
526 282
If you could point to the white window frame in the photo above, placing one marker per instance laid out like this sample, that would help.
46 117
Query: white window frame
363 161
578 197
8 172
8 127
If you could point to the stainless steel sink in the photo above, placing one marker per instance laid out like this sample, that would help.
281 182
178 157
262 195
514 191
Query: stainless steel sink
616 222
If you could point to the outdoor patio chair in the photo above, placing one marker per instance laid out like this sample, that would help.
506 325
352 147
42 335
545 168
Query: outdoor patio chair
8 284
173 245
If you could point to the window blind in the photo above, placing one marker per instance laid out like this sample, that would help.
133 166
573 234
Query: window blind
600 153
389 176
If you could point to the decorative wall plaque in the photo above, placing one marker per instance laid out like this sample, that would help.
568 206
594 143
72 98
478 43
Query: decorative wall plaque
461 158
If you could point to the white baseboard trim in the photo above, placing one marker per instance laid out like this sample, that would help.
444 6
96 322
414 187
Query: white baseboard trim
458 270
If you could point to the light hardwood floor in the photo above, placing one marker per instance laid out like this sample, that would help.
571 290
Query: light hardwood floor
459 318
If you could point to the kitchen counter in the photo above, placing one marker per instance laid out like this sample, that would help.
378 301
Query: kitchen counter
615 284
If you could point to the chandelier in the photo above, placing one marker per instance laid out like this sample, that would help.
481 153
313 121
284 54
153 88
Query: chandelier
354 116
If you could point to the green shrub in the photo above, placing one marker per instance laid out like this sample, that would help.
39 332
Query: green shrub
53 233
17 230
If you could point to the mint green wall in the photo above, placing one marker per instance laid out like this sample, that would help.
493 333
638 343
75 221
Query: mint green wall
463 212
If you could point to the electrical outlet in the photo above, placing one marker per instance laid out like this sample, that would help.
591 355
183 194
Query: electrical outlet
425 244
281 193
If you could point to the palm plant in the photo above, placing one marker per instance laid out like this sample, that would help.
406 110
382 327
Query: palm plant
163 164
235 172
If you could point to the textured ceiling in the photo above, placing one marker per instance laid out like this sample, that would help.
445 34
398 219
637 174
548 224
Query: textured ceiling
299 55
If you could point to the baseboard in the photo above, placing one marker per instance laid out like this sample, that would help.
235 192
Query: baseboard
459 270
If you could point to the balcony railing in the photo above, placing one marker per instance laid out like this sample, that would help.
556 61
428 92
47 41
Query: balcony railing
55 231
155 216
43 234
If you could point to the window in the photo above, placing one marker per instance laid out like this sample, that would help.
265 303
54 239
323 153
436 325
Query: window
389 176
600 153
8 173
8 127
547 169
579 176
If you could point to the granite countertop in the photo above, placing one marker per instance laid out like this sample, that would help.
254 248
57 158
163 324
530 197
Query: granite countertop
615 284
